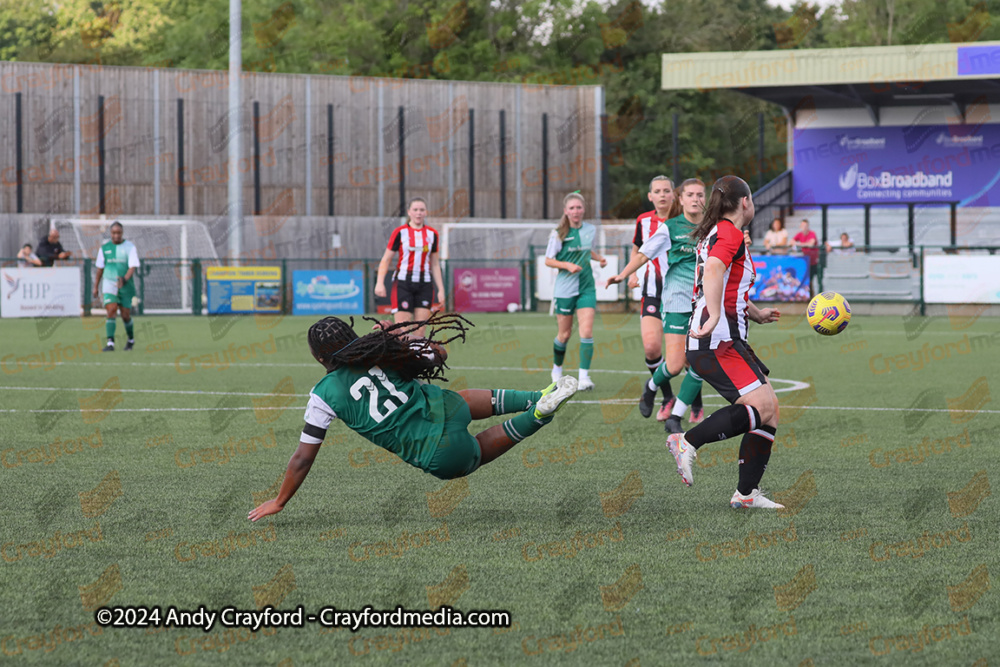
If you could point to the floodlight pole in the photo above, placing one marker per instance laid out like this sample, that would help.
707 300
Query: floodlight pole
235 182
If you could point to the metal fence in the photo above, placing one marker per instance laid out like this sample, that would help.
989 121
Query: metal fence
868 274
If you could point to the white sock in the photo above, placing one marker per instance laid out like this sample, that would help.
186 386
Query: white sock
680 407
556 371
652 385
584 374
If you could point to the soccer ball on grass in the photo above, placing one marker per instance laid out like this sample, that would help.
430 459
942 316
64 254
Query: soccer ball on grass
828 313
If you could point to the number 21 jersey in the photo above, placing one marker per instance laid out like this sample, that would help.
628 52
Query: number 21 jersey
402 416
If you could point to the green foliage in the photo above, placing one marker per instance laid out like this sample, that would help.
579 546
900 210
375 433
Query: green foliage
26 30
562 42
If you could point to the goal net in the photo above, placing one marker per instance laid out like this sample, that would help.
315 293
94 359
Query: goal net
166 248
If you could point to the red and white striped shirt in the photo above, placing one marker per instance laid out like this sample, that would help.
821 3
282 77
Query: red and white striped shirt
652 277
414 247
726 243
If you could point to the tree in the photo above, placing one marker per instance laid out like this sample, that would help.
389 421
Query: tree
115 32
26 29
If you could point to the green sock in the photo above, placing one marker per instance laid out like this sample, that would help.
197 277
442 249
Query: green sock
520 427
109 328
128 330
509 401
689 388
586 352
558 352
662 375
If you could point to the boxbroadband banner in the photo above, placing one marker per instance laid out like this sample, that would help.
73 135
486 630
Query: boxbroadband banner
885 165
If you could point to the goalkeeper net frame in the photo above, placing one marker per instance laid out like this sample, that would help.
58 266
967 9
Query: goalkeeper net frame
166 249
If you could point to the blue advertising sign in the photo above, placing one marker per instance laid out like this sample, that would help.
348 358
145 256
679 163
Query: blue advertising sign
780 278
882 165
978 60
327 293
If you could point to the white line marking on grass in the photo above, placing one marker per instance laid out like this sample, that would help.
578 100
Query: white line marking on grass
598 402
795 386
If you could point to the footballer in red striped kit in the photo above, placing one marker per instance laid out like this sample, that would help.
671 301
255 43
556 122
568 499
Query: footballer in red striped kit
414 246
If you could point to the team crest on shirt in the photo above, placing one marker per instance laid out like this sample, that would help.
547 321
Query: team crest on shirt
650 308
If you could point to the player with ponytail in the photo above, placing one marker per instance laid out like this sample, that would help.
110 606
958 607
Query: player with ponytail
570 249
717 346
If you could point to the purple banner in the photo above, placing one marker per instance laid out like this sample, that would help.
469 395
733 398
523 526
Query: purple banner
978 60
885 165
486 290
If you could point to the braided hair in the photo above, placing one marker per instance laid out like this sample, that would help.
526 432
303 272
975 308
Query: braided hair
334 344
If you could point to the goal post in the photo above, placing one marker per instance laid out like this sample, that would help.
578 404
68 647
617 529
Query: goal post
166 249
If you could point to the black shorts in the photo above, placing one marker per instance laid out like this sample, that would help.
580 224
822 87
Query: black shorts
407 296
732 369
651 307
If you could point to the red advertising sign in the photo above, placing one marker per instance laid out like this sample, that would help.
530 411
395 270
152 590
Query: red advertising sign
487 290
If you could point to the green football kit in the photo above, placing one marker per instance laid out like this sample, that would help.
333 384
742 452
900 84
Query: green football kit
423 424
574 290
116 260
678 287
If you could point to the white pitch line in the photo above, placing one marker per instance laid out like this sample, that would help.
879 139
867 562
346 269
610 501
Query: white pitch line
796 386
611 401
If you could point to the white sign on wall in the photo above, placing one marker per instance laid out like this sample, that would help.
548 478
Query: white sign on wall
40 292
961 279
545 279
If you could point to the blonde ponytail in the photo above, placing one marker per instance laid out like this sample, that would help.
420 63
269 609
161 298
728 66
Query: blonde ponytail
563 229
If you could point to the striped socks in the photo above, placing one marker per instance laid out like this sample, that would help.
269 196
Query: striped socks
509 401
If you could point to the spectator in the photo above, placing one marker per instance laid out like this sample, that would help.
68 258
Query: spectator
846 245
776 239
806 240
49 249
27 258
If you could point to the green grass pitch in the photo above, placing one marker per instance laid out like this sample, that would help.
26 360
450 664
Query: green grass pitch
127 478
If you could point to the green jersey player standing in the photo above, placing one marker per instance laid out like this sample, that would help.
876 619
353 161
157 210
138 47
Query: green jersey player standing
117 261
372 385
570 250
678 290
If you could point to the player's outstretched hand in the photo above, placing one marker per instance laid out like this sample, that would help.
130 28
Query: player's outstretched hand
270 507
380 291
382 324
613 280
633 281
768 315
